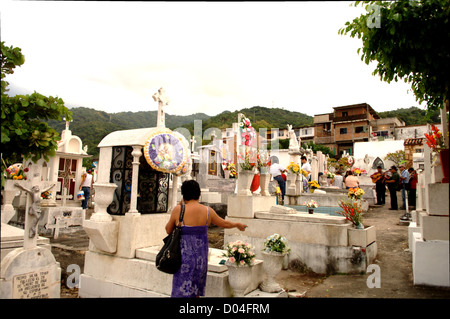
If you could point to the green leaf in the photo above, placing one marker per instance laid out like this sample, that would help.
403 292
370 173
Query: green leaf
40 102
392 30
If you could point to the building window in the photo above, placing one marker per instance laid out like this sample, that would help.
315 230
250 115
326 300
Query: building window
359 129
343 130
344 114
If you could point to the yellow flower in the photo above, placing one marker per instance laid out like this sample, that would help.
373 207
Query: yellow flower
14 177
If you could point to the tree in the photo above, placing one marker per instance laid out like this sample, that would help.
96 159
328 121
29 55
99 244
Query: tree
409 40
24 131
398 157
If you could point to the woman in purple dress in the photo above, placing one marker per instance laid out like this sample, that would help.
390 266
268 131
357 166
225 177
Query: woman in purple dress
190 279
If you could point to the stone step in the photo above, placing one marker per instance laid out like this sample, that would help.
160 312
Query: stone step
303 217
214 259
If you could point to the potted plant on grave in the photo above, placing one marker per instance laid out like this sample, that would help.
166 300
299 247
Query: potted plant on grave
247 164
263 161
355 193
239 263
352 211
311 205
293 170
435 141
313 185
275 248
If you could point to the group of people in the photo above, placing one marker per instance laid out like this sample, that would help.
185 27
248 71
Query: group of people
404 181
347 181
278 173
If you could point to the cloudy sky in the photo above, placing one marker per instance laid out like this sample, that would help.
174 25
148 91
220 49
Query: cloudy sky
209 56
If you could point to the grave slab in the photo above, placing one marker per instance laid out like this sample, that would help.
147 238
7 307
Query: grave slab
30 273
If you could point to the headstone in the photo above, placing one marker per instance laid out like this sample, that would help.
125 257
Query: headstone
30 271
314 169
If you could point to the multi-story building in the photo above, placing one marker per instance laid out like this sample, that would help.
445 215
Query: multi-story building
324 130
346 125
385 129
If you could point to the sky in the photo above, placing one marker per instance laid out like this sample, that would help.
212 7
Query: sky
208 56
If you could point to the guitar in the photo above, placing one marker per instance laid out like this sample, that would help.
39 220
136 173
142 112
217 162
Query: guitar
377 176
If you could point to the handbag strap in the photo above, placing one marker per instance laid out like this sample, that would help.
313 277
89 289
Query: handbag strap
181 214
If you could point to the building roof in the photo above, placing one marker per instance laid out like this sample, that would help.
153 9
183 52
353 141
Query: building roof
127 137
413 141
371 110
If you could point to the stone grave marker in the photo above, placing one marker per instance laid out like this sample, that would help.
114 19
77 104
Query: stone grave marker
30 271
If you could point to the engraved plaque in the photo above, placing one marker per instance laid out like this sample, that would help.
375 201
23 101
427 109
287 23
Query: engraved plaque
32 285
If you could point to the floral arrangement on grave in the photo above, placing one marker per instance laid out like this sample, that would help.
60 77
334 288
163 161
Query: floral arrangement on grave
352 211
239 253
294 168
248 133
311 204
359 171
15 171
247 161
435 139
313 185
276 243
329 174
355 193
232 169
46 195
262 159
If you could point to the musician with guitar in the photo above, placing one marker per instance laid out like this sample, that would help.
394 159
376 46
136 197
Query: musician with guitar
379 178
393 184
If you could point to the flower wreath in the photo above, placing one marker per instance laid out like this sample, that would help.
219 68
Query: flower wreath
350 160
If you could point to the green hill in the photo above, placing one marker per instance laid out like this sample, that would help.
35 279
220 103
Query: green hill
413 115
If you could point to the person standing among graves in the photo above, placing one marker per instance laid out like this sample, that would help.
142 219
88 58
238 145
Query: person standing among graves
404 177
85 186
306 167
393 185
190 280
412 187
380 185
276 170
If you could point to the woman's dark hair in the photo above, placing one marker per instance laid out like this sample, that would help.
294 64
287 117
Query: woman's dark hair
190 190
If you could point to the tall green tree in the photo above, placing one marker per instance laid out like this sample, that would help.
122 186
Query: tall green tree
409 40
24 131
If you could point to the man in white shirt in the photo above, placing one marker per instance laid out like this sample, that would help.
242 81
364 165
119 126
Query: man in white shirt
306 167
276 170
85 186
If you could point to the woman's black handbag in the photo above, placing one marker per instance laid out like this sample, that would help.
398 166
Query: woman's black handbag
168 259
